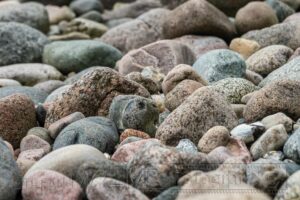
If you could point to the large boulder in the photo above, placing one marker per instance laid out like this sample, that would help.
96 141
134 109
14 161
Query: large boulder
74 56
204 109
93 94
32 14
279 96
198 17
20 43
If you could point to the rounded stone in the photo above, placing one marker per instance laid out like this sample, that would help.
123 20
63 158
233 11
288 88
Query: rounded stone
34 142
12 35
8 82
278 118
49 86
253 16
11 181
133 133
47 184
57 93
187 146
291 148
130 111
108 188
215 137
220 64
244 47
148 83
290 188
269 59
281 9
17 116
83 6
88 53
180 93
234 88
98 132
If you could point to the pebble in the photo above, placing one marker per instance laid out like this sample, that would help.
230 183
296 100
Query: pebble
282 10
148 83
220 64
290 188
98 132
30 142
17 116
244 132
291 147
83 6
51 185
133 133
41 133
28 158
8 82
11 181
57 14
49 86
135 112
105 188
278 118
187 146
244 47
273 139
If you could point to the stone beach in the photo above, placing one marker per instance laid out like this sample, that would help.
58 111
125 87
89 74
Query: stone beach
149 99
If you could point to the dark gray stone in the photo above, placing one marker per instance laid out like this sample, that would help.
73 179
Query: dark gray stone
83 6
281 9
291 148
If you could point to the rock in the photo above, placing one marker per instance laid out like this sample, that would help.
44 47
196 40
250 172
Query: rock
168 194
269 59
204 109
247 17
239 110
295 54
187 146
292 17
155 167
137 33
282 10
116 22
83 6
273 139
279 96
131 132
58 14
200 11
94 16
274 155
41 114
30 74
202 44
159 100
220 64
213 138
291 148
8 82
238 148
11 180
278 118
247 97
129 140
59 125
12 35
244 132
292 4
66 160
131 111
180 93
31 14
97 89
290 189
30 142
41 133
290 70
279 34
148 83
98 132
164 54
83 26
244 47
69 36
36 95
53 2
54 186
56 94
11 148
254 77
105 188
266 175
49 86
17 116
178 74
234 88
75 77
88 53
28 158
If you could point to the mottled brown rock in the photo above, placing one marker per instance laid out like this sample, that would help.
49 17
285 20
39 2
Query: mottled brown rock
278 118
204 109
164 54
287 34
213 138
17 116
131 132
180 93
148 83
279 96
198 17
92 94
28 158
255 16
269 59
107 188
244 47
57 14
254 77
202 44
34 142
137 33
178 74
47 185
